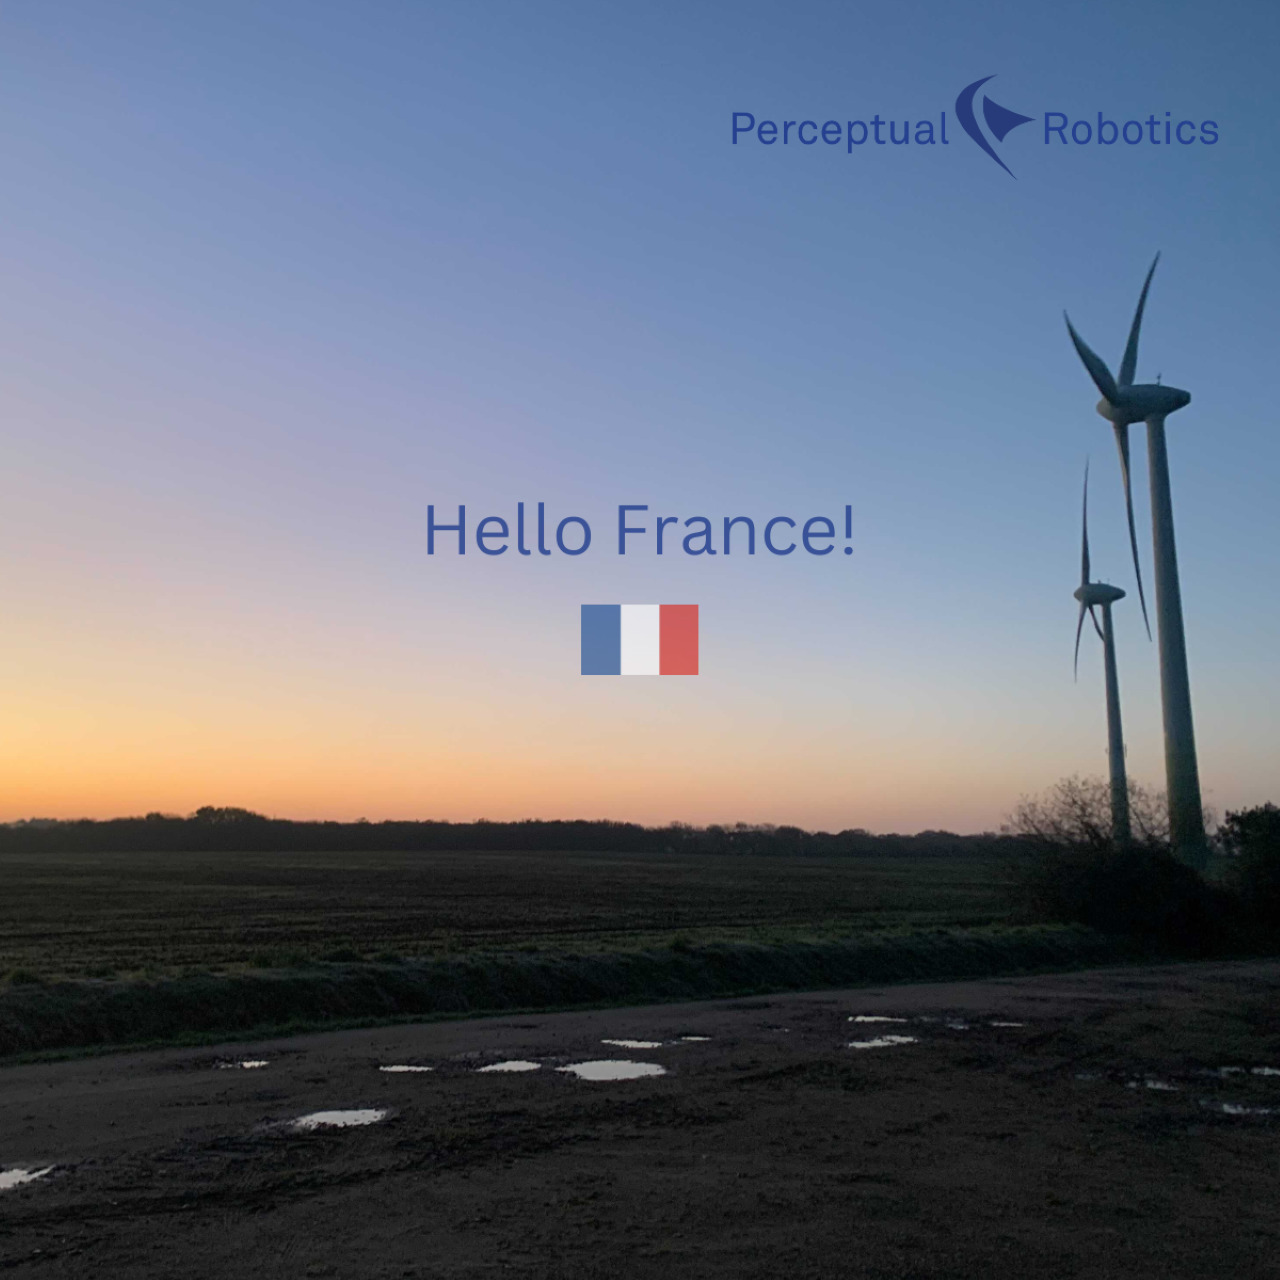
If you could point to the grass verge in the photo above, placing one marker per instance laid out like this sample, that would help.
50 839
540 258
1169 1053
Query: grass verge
36 1018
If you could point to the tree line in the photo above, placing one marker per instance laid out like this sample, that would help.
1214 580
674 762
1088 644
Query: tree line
212 829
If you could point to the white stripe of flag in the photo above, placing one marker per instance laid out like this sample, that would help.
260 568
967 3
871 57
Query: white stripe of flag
640 640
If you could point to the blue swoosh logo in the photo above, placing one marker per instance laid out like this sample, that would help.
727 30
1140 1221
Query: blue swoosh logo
964 113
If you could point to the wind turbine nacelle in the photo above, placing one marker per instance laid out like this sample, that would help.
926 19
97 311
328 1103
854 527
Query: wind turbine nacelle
1095 593
1142 401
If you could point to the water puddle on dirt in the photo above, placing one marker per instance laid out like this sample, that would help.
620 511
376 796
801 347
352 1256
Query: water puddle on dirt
634 1044
958 1026
248 1064
1235 1109
1161 1086
694 1039
514 1065
339 1119
10 1178
875 1017
1008 1024
881 1042
403 1067
607 1069
1264 1071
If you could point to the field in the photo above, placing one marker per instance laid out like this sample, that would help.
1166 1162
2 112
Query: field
111 915
110 949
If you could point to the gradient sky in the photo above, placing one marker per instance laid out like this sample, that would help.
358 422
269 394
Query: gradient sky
277 276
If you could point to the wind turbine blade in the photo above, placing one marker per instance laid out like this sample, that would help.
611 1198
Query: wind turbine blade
1093 617
1084 549
1098 370
1129 365
1075 666
1122 443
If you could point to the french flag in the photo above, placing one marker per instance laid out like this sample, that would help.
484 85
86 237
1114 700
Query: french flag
639 639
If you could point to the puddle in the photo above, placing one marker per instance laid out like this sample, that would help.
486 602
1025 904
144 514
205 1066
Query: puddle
1224 1073
881 1042
339 1119
605 1069
1008 1024
400 1067
958 1026
1088 1075
1160 1086
1235 1109
514 1065
16 1177
694 1039
634 1044
875 1017
248 1064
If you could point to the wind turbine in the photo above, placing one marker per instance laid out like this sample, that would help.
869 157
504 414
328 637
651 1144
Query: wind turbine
1101 595
1124 403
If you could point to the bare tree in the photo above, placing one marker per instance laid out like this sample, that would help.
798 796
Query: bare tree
1075 872
1075 813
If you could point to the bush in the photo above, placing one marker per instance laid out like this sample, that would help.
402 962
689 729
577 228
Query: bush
1251 841
1072 872
1141 891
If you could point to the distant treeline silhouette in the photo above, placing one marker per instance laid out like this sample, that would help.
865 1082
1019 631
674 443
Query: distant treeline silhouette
227 829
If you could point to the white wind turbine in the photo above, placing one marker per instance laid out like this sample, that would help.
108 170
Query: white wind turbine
1101 596
1124 403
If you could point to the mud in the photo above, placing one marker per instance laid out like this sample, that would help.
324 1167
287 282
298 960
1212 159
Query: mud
769 1149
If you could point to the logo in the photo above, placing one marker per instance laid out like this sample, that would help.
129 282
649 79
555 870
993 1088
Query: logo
1000 120
924 131
639 639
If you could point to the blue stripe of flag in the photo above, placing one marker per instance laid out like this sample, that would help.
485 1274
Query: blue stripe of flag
601 639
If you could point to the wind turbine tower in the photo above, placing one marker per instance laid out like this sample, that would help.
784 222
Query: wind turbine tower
1101 596
1124 403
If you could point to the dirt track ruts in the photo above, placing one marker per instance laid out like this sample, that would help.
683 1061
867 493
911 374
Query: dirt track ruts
772 1149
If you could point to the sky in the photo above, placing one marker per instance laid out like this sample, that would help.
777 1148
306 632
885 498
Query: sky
279 277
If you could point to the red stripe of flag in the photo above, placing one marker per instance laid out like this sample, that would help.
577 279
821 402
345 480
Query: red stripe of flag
678 639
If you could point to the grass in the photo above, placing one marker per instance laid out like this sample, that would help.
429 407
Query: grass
112 949
111 915
40 1018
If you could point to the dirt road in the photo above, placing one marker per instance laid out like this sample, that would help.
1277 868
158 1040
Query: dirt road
1127 1126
